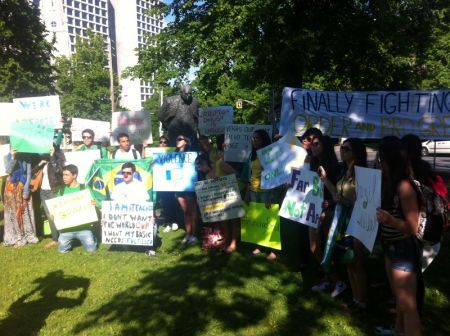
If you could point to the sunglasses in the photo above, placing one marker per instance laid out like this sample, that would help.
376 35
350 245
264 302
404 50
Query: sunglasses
126 173
163 141
86 137
346 149
181 139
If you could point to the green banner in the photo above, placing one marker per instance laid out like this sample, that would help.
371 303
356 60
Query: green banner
106 173
27 136
261 226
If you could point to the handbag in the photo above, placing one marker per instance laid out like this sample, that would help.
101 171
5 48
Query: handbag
36 180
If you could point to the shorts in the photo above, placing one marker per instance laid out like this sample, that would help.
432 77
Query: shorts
403 254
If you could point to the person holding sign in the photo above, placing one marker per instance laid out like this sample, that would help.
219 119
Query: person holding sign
83 232
88 136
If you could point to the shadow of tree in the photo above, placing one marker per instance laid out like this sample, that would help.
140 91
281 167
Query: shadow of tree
52 292
198 294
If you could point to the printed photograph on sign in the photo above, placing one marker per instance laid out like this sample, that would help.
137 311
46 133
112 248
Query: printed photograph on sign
136 124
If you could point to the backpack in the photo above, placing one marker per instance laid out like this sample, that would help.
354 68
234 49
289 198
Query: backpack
133 151
433 214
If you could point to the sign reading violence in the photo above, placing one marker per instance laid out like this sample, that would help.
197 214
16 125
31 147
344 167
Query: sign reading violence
174 171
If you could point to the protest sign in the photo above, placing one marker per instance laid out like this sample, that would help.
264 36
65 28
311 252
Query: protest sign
136 124
127 223
4 151
332 236
212 120
29 136
238 141
101 129
261 226
43 110
72 209
219 199
303 200
8 114
150 151
277 161
105 174
174 171
83 160
363 223
370 114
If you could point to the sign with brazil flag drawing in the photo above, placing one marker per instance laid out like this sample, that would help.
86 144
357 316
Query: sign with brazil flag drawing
303 201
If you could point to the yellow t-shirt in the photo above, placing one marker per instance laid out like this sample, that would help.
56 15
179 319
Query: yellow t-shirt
255 177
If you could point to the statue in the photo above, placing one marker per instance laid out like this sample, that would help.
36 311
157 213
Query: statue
179 115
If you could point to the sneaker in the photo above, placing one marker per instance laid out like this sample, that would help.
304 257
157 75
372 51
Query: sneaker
150 253
168 228
321 287
174 227
192 241
338 289
185 239
385 331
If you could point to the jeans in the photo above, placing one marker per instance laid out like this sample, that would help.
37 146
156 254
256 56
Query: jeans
86 237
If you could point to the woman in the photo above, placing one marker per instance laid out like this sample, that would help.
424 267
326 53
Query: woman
19 222
398 218
187 200
254 192
353 153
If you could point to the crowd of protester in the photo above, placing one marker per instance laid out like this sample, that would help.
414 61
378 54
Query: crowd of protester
399 160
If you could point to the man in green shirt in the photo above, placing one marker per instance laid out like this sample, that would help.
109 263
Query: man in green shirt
88 136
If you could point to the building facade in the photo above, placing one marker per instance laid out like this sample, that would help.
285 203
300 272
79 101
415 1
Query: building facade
124 25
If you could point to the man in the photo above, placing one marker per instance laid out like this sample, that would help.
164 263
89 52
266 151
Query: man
88 136
179 115
83 232
131 190
125 152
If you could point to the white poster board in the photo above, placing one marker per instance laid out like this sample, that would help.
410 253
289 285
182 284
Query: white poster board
219 199
102 129
127 223
44 109
83 160
363 223
238 141
72 209
303 200
212 120
174 171
136 124
4 151
8 114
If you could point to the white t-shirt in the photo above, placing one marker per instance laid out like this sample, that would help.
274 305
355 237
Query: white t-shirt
135 191
120 155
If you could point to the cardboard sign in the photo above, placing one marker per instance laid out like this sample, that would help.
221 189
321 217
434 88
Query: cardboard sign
4 151
83 160
212 120
72 209
136 124
238 141
29 136
261 226
219 199
101 129
42 110
127 223
363 223
8 114
174 171
303 200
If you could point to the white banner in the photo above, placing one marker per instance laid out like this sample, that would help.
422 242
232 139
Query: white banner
212 120
42 110
303 200
9 114
4 151
367 114
238 141
363 223
219 199
127 223
83 160
72 209
102 129
136 124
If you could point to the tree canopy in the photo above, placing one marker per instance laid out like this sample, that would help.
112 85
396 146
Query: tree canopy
246 47
25 54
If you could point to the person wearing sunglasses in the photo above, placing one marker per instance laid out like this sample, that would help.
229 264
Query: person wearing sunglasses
88 137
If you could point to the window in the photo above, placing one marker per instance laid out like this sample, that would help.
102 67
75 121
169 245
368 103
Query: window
53 24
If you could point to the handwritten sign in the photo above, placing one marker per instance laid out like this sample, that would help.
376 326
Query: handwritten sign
212 120
101 129
174 171
4 151
127 223
43 110
238 141
261 226
363 223
72 209
8 114
303 200
29 136
370 114
83 160
219 199
150 151
136 124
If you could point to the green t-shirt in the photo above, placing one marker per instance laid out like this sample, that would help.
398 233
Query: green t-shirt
103 150
70 190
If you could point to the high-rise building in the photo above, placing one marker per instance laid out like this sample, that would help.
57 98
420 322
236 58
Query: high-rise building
124 25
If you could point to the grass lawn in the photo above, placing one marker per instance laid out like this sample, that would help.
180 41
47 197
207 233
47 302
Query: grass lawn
187 292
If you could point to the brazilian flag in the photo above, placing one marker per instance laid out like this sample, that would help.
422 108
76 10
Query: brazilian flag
106 173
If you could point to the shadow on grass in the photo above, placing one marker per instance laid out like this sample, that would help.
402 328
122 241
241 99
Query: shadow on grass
27 315
206 293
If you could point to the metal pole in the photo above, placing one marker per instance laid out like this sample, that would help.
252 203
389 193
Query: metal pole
111 77
434 156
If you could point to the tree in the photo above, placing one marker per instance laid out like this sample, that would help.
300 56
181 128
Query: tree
25 54
84 80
